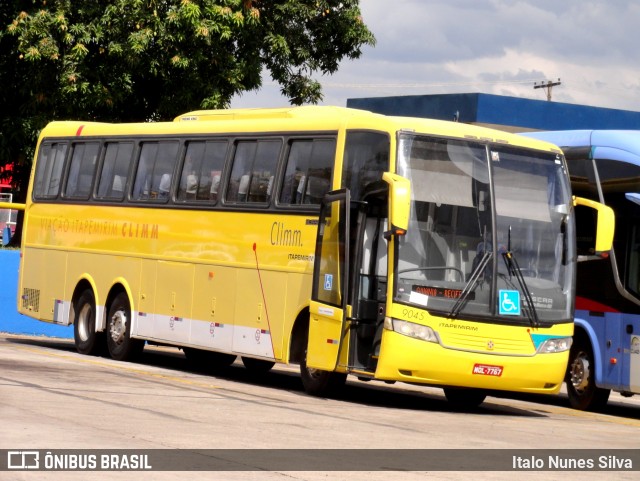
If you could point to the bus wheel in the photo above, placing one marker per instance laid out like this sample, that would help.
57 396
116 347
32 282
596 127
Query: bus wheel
257 366
464 398
201 359
87 340
581 386
318 382
121 346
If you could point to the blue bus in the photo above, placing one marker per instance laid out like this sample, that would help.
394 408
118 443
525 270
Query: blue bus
604 165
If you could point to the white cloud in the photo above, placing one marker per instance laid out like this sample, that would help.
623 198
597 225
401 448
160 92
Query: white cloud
491 46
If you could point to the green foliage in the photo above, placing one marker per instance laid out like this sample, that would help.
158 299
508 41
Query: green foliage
136 60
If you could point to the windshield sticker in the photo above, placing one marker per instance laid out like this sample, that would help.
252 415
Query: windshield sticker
509 303
495 156
417 298
542 302
328 282
441 292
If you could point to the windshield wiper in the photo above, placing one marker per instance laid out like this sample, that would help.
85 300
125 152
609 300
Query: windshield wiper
470 286
514 269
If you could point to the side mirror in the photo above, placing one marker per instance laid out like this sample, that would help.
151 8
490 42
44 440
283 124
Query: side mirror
399 203
606 223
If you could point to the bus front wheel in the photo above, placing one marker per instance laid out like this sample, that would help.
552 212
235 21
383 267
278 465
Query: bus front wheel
464 398
257 366
318 382
121 346
581 384
87 340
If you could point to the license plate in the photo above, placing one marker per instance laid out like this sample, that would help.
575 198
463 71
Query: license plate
487 370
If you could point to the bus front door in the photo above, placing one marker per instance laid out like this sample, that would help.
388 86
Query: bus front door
329 306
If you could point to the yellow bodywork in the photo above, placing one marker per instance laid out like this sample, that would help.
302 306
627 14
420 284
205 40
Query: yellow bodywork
230 280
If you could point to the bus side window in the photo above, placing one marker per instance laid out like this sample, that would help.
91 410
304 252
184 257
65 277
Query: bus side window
82 170
115 171
201 171
155 170
242 162
308 174
254 166
263 171
366 158
49 170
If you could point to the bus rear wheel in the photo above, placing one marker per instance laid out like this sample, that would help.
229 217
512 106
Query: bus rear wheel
464 398
208 360
318 382
87 340
257 366
121 346
581 384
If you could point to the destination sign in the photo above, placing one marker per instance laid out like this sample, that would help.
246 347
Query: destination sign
441 292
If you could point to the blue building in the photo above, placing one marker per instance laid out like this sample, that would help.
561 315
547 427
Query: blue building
513 114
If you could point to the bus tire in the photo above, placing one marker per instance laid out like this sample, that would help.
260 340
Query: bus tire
121 346
87 340
318 382
581 384
208 360
257 366
464 398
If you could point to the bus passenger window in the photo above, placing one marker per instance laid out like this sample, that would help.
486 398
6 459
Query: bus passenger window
201 171
49 171
254 167
155 168
115 171
81 170
309 169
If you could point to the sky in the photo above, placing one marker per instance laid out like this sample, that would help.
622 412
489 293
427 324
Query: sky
502 47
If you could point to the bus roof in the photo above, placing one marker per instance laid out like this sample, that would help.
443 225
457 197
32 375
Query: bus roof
270 113
305 118
622 145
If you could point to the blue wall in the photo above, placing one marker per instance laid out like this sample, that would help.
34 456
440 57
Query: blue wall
501 110
10 320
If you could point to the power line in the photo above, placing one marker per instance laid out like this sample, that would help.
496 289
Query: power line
421 85
548 86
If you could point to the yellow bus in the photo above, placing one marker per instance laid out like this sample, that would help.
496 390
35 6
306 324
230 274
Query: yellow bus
389 248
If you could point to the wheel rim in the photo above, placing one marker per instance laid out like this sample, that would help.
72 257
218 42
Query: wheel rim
84 322
118 327
314 373
580 372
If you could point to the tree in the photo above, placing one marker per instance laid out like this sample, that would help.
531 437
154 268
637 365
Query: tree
137 60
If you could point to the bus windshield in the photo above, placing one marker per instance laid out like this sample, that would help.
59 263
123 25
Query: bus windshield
489 223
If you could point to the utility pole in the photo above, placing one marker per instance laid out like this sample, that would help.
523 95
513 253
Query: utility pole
548 85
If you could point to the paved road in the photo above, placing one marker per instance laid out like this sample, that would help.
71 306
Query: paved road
53 398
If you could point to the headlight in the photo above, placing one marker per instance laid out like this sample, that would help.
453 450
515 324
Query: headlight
411 329
560 344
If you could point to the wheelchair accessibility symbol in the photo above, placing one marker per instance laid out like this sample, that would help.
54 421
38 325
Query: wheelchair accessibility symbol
509 304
